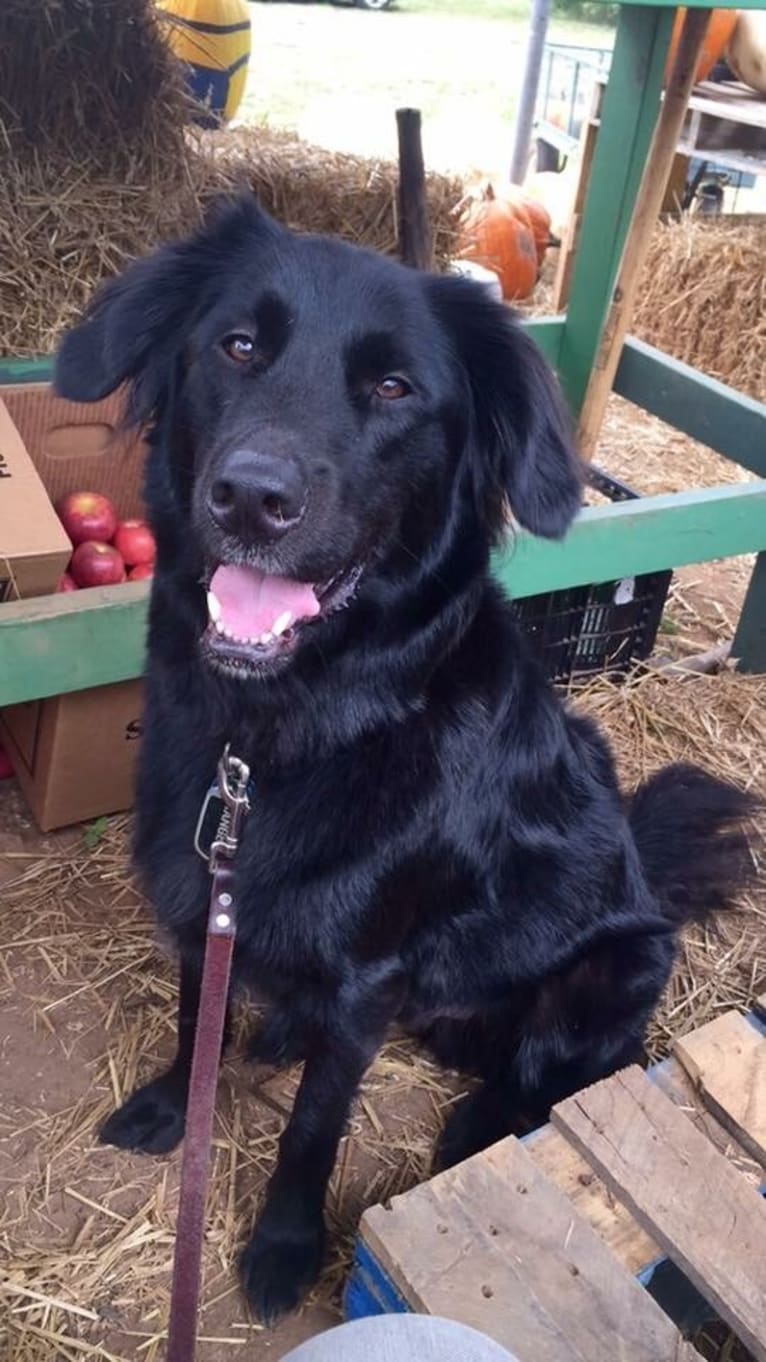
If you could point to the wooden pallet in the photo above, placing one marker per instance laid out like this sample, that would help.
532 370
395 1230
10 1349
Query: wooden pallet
548 1244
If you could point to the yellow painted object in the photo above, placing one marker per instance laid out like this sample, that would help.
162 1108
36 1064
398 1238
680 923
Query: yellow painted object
212 38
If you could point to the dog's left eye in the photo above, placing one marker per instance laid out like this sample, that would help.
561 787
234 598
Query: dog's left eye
392 387
239 346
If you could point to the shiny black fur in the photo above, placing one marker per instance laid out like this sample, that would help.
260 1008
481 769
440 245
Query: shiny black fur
436 839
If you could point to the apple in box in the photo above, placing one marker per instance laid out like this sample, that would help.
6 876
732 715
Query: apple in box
135 541
87 516
95 564
141 572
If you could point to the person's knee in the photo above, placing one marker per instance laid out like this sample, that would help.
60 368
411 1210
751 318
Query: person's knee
400 1338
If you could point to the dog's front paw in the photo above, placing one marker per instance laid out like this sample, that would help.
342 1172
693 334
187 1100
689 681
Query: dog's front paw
278 1270
280 1042
152 1121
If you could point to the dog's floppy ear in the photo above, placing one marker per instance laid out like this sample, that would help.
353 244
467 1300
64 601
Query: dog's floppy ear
519 444
135 324
129 321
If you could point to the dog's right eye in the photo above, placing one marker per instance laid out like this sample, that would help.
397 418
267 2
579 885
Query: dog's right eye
239 346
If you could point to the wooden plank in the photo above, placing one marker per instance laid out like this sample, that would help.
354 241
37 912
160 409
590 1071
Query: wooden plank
718 416
736 104
493 1244
568 249
672 1079
632 537
726 1060
546 331
415 237
628 115
565 1166
749 645
55 644
684 1193
638 240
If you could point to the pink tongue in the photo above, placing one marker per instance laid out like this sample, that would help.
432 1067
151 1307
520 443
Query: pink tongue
251 602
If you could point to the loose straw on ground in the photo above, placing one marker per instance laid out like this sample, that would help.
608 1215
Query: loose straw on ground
87 1231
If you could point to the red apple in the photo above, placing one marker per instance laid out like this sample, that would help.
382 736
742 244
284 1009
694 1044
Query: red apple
95 564
135 542
66 583
140 572
86 516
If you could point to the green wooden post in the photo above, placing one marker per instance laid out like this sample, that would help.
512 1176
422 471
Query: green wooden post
628 116
749 645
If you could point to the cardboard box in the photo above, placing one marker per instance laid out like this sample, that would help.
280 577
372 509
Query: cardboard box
75 755
79 446
34 549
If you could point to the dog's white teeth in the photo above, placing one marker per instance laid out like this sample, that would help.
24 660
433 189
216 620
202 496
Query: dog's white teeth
266 639
284 622
213 607
219 627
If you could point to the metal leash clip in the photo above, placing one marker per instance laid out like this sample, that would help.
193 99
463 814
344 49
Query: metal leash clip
226 805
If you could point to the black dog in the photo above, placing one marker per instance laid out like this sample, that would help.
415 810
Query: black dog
434 838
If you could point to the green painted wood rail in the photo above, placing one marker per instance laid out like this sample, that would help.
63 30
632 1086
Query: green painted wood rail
68 642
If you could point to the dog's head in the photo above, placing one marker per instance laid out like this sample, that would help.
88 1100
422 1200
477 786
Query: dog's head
322 413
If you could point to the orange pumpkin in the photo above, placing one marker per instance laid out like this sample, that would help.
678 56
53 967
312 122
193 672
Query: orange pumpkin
538 217
498 234
719 31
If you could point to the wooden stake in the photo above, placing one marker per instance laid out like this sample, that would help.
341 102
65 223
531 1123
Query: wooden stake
415 241
571 241
648 204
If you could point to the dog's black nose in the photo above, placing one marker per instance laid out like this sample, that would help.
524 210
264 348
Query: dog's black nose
257 496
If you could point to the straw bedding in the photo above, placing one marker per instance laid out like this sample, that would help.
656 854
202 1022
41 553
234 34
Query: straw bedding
87 1001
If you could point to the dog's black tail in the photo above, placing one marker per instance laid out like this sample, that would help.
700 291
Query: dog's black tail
690 832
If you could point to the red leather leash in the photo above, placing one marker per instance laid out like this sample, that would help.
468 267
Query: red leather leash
231 790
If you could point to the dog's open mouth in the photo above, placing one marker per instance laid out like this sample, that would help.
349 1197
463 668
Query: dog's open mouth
256 618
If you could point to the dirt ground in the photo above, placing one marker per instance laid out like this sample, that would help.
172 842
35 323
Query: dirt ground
86 1011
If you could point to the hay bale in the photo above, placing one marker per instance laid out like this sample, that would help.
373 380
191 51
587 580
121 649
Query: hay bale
89 81
100 166
62 234
315 190
703 299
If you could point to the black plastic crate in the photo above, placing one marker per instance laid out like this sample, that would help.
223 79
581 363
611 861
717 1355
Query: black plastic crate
600 628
